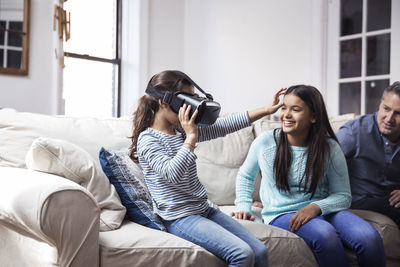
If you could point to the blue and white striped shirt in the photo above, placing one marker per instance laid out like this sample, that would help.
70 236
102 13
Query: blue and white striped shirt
170 169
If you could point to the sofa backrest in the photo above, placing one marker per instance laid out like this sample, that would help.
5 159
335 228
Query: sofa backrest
19 129
219 160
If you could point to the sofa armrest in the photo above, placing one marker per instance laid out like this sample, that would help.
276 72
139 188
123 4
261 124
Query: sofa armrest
53 210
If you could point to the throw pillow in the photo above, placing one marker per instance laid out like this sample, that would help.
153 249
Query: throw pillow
127 177
72 162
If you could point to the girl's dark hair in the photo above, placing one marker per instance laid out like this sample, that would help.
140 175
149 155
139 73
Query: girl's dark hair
317 143
143 117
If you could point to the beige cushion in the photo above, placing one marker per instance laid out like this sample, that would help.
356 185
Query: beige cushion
19 129
338 121
218 162
388 230
135 245
264 125
72 162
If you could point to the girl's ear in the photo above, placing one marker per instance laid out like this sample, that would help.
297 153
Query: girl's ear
161 104
313 119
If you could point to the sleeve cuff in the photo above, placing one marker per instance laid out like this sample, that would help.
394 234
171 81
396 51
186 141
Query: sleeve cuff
243 206
324 208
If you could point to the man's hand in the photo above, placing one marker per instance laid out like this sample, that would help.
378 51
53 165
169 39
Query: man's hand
242 215
303 215
394 199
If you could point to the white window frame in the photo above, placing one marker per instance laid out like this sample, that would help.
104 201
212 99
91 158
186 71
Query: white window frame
8 16
333 53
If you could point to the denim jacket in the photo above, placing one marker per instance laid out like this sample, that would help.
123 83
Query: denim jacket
373 162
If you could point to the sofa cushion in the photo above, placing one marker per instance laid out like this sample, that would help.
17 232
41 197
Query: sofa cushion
72 162
388 230
263 125
19 129
218 162
135 245
127 178
338 121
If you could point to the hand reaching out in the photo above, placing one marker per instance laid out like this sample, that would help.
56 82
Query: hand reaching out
267 110
276 104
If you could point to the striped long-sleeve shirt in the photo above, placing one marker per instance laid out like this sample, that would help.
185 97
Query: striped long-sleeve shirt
170 169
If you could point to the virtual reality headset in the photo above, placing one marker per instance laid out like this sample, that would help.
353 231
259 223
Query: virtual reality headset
208 110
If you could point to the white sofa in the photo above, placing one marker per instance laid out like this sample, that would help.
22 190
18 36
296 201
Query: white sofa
76 220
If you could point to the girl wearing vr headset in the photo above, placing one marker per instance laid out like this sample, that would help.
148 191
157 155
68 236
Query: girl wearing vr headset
163 143
305 184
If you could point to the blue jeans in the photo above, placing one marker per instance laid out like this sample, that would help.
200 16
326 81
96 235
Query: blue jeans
222 236
328 235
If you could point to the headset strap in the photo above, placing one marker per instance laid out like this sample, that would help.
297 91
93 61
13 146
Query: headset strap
209 96
166 96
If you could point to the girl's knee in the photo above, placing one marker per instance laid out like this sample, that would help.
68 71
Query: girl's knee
326 239
371 240
261 256
246 256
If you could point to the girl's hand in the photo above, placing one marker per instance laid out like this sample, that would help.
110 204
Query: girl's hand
188 125
242 215
303 215
276 104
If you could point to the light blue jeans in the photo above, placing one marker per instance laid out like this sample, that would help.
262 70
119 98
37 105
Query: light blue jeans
328 235
222 236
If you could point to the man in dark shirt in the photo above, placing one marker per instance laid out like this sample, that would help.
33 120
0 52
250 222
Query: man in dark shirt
371 145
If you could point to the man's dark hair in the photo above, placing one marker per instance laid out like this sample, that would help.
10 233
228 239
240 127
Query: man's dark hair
395 88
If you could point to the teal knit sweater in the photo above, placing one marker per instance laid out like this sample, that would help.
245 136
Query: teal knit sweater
332 194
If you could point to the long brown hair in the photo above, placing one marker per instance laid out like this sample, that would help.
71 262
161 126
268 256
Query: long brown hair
317 143
148 106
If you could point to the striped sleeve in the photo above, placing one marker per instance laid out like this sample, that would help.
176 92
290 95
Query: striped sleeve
169 168
224 126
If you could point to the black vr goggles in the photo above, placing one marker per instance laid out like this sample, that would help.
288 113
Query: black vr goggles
208 110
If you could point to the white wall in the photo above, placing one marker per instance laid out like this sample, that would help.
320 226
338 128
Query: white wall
239 51
40 90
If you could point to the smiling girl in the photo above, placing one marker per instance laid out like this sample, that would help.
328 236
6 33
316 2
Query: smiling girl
305 185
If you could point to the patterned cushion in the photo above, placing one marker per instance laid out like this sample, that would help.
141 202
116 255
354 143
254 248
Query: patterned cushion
127 177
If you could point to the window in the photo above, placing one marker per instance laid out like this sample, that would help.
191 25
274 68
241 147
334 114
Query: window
11 35
361 39
91 77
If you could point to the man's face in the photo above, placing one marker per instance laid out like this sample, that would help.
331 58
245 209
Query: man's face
389 117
